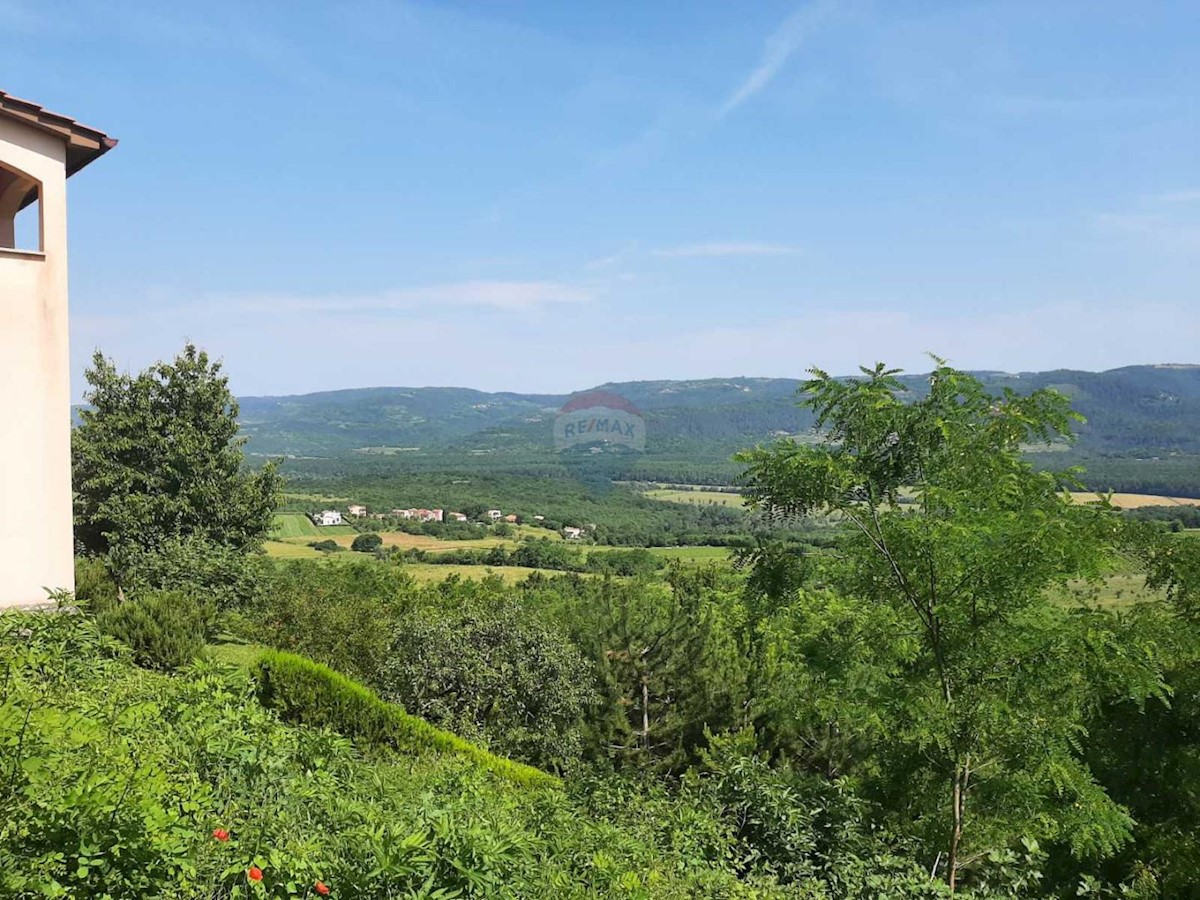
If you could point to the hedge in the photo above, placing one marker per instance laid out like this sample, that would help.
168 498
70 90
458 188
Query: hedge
309 693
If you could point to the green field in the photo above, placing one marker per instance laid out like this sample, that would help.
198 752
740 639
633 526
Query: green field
693 554
298 525
698 497
1120 590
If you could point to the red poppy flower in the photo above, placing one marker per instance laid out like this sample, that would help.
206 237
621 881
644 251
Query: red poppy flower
321 888
220 834
254 873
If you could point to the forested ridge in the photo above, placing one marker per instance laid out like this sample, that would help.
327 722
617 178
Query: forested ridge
1141 428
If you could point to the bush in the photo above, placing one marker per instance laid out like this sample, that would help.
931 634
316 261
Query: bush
326 546
164 631
227 577
301 690
338 615
487 668
95 588
367 543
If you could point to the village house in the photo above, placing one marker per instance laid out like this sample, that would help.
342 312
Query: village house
357 510
328 517
39 149
457 517
494 514
572 534
511 518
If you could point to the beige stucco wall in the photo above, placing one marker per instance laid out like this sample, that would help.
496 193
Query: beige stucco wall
35 395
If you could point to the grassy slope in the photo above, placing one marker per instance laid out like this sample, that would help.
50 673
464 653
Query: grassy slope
297 525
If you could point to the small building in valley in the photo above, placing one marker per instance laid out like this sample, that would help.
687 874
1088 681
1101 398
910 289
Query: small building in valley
571 533
328 517
357 510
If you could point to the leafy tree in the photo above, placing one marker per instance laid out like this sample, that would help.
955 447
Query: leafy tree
157 457
366 543
978 696
485 667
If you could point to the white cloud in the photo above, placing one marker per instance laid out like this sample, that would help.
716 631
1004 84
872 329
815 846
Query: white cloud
727 248
506 296
777 49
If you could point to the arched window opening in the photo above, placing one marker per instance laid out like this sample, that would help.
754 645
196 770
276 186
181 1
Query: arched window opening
20 211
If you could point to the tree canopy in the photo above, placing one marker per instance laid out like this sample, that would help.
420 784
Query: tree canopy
157 459
939 639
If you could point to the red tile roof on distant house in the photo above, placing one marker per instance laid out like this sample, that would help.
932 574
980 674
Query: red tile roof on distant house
84 144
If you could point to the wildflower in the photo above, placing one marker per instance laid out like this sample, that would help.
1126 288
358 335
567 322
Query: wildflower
254 873
321 888
220 834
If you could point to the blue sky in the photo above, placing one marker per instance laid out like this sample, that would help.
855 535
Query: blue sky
547 195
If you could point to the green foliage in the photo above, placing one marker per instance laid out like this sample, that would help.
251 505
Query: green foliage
214 574
670 660
163 631
328 546
156 458
120 783
969 694
485 667
94 585
366 543
304 691
340 615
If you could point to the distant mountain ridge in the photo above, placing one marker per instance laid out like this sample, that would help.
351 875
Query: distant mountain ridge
1151 409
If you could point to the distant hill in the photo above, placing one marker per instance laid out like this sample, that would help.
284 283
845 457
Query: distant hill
1131 411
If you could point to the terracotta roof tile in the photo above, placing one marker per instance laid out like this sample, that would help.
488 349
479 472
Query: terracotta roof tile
84 144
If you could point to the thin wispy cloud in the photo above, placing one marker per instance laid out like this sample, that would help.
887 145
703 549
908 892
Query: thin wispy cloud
504 296
1159 232
1183 196
610 260
726 248
778 49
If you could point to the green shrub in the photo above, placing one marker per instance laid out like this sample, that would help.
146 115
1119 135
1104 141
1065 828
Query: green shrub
326 546
227 577
301 690
164 631
95 588
367 543
338 615
489 669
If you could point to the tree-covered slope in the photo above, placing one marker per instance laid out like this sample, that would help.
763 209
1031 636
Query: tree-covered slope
1134 410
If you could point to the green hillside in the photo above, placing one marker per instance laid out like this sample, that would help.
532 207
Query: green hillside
1142 431
1133 408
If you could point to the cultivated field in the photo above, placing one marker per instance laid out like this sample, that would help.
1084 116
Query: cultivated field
293 533
694 554
1137 501
699 497
723 498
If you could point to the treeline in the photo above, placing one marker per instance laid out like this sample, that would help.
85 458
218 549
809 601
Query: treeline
544 554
